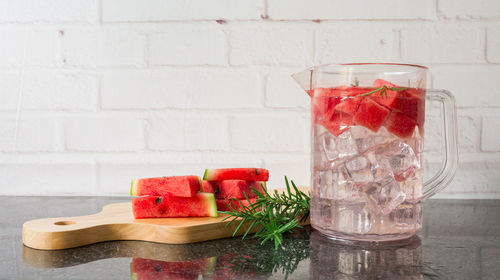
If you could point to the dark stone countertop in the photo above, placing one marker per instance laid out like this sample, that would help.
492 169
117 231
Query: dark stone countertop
460 239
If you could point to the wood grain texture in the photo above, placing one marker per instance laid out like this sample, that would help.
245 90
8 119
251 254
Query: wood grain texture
116 222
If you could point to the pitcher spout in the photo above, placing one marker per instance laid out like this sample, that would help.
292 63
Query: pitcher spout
304 79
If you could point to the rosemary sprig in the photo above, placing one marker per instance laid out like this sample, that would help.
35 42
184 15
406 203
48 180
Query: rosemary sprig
272 215
383 91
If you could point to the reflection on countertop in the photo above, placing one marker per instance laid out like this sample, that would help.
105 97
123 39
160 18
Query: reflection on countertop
459 240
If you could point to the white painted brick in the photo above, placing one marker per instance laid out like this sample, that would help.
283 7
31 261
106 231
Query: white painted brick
7 134
490 136
271 44
468 133
283 92
49 90
220 88
474 180
48 11
48 178
104 134
371 42
354 9
472 85
270 132
295 168
106 46
464 9
187 131
158 10
443 43
188 45
40 134
10 85
39 45
493 44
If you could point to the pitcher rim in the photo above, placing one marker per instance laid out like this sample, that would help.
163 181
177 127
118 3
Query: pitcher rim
370 63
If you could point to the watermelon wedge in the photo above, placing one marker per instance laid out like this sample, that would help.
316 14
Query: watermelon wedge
247 174
370 114
233 188
349 105
236 203
184 186
392 96
169 206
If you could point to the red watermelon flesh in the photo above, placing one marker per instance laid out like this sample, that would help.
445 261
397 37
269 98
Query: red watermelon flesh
185 186
154 269
370 114
338 123
233 188
400 125
386 100
412 103
322 106
247 174
349 105
236 203
169 206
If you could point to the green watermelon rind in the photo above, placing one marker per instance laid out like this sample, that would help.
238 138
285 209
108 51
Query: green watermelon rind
133 187
210 197
208 174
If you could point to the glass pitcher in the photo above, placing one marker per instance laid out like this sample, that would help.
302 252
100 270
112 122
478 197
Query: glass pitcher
367 129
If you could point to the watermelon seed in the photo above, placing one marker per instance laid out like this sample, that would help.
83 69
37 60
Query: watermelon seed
158 200
157 269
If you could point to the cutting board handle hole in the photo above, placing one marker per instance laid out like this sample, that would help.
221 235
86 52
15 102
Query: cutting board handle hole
64 223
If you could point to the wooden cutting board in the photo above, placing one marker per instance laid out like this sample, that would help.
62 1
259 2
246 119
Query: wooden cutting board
116 222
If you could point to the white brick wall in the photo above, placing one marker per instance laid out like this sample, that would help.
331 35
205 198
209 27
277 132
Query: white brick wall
110 90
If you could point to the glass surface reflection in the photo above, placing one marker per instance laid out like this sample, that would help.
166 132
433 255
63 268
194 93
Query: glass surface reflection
332 259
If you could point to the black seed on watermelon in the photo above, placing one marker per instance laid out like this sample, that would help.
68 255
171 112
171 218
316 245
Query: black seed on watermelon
158 200
157 269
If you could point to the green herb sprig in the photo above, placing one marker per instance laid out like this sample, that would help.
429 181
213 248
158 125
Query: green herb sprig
383 91
272 215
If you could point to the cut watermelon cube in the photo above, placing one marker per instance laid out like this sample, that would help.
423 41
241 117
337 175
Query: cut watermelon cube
348 105
222 204
386 100
247 174
338 123
169 206
185 186
322 106
233 188
412 103
370 114
400 125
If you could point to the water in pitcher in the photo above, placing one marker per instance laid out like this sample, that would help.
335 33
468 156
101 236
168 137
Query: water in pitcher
367 161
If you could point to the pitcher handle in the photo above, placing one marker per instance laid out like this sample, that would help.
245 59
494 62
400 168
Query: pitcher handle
450 160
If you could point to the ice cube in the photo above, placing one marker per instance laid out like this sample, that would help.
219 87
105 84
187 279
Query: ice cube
324 181
402 159
366 139
384 195
337 147
412 187
407 216
345 189
357 170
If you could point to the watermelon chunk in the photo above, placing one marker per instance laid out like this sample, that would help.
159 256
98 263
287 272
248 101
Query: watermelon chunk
233 188
169 206
400 124
349 105
392 95
247 174
236 203
185 186
145 269
323 106
370 114
338 123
